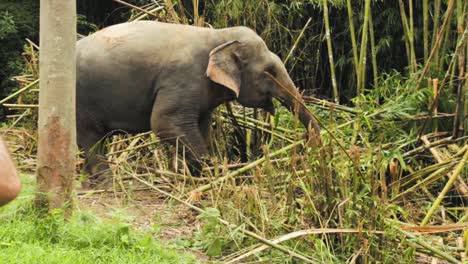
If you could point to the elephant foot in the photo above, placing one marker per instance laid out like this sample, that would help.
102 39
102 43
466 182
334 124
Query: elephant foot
98 174
191 166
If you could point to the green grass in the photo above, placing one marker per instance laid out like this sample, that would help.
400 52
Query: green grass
25 237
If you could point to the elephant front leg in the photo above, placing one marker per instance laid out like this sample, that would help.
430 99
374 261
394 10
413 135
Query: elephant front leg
182 132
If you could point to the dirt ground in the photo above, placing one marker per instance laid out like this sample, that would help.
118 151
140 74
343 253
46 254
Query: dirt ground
146 210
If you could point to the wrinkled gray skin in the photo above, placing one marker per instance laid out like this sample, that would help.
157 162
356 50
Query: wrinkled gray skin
168 78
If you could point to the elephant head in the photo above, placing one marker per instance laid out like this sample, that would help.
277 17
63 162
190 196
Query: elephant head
241 64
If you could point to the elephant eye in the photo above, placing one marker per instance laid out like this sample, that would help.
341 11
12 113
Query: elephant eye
271 69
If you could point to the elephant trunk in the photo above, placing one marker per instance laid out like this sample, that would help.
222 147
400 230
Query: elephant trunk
290 98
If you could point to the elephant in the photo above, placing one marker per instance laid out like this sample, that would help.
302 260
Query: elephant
168 78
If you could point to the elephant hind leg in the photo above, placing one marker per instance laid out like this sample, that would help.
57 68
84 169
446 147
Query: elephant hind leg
91 140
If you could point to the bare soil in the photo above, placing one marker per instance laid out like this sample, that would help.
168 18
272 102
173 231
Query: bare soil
147 210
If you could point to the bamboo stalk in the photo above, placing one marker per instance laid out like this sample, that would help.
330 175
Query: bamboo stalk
136 147
21 105
298 39
459 44
435 89
19 91
431 249
170 8
245 168
328 104
136 8
373 51
425 29
319 231
155 9
411 37
436 43
130 138
435 23
461 186
447 187
404 22
353 39
336 95
196 16
461 68
363 54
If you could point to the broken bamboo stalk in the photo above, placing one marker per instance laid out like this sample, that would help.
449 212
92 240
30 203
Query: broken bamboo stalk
19 92
460 185
447 187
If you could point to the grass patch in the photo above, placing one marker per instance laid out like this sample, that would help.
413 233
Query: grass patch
27 238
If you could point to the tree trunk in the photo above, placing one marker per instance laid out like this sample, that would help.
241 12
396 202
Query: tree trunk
57 128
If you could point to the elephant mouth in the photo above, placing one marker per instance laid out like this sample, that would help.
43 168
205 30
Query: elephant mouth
269 106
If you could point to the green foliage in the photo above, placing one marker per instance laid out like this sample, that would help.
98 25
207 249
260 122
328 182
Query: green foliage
211 237
7 25
18 20
27 237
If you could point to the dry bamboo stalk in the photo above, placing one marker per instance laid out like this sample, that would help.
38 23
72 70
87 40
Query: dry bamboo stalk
319 102
136 147
244 168
14 106
170 8
460 185
319 231
156 9
435 87
253 125
136 8
431 249
447 187
130 138
461 244
428 180
261 123
239 165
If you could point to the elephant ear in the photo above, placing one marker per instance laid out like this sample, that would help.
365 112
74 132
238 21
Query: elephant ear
223 66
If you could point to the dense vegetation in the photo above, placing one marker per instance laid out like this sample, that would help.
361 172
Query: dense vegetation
394 152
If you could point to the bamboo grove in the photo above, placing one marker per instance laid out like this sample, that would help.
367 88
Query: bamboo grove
386 80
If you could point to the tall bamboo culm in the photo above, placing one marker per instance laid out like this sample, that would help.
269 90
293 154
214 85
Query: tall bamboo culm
353 39
425 29
336 94
363 53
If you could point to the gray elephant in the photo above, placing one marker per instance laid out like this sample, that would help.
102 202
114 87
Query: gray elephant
168 78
